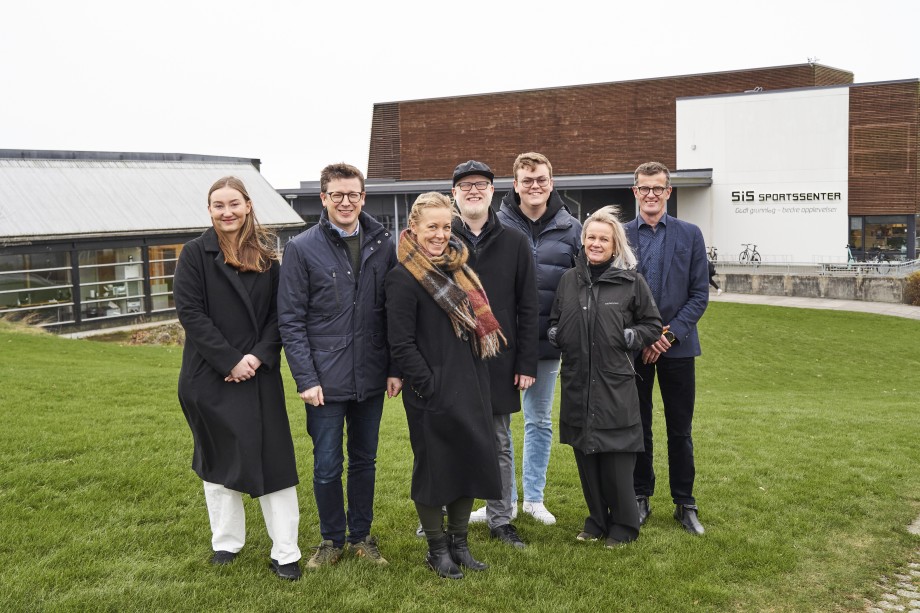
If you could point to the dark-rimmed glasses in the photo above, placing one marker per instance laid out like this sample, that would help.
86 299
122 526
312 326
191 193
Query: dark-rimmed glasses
468 185
541 181
338 197
657 190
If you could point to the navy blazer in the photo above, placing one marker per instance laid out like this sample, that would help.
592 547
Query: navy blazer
685 282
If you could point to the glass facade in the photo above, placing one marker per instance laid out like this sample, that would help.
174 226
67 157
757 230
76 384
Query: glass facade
61 287
162 267
37 287
111 282
888 235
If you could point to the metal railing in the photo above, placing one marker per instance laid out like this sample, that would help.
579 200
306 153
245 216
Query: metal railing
775 265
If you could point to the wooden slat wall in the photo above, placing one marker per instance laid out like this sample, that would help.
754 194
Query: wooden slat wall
586 129
884 156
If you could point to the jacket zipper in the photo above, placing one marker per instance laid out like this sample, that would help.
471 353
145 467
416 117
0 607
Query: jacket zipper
335 286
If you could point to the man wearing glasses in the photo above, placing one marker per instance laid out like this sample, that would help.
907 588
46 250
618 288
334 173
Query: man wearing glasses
501 257
672 258
330 312
534 208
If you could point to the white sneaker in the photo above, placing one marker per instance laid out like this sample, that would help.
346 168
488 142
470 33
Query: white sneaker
719 292
479 515
539 512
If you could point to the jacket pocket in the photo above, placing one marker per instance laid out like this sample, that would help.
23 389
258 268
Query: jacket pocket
616 403
425 393
332 361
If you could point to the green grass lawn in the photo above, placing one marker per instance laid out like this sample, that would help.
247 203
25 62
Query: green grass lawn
807 450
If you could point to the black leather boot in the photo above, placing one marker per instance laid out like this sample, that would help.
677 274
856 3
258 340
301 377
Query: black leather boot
439 560
460 553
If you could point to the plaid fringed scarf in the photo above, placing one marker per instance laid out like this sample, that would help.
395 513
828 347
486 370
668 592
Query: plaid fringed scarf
462 298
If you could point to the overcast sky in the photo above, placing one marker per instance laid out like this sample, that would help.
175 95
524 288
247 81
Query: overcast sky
294 83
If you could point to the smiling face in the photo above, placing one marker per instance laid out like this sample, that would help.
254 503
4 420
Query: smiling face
533 195
473 204
432 229
598 242
343 214
229 209
651 207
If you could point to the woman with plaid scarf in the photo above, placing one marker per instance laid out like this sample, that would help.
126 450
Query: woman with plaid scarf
441 329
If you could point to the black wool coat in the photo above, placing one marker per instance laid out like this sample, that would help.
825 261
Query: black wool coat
599 409
241 430
503 261
446 396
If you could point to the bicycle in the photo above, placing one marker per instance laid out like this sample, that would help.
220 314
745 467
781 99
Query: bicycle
713 254
749 256
851 259
879 262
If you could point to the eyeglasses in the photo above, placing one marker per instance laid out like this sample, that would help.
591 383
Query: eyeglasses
338 197
657 190
467 186
541 181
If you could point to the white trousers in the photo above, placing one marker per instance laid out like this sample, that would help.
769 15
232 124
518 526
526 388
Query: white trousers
228 520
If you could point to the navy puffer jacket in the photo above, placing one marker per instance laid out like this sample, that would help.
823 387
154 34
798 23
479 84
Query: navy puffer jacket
554 251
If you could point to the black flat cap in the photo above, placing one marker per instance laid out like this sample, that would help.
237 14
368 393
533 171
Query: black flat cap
472 168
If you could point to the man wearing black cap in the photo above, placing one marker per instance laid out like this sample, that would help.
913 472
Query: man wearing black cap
501 257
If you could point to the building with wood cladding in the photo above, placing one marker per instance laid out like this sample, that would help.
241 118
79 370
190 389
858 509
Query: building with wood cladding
797 159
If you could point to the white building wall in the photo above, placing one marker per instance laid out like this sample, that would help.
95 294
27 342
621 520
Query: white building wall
779 172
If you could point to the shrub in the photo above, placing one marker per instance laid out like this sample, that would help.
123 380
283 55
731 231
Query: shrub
912 289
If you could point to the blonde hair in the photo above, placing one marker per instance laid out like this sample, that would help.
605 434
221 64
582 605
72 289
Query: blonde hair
623 256
429 200
254 247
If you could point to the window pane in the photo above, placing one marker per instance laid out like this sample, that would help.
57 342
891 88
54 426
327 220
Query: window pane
889 238
163 260
111 282
36 287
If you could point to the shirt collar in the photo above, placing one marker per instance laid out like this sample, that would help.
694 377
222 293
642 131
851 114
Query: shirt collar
662 222
342 232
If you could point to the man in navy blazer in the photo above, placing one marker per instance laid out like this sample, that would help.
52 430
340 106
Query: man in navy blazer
672 258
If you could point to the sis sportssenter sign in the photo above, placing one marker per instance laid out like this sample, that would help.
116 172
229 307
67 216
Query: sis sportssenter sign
780 171
752 196
764 202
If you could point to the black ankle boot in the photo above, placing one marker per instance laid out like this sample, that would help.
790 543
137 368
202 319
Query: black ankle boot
460 553
439 560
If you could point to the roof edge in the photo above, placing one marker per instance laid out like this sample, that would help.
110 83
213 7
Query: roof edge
599 83
123 156
28 239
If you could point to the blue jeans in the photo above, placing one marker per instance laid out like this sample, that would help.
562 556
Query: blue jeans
326 425
538 429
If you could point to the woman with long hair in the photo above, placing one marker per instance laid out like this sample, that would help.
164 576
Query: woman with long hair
603 312
440 330
230 388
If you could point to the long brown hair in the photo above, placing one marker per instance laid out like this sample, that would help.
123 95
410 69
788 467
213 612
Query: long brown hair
254 247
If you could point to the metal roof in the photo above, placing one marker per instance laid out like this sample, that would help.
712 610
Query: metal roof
679 178
42 199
